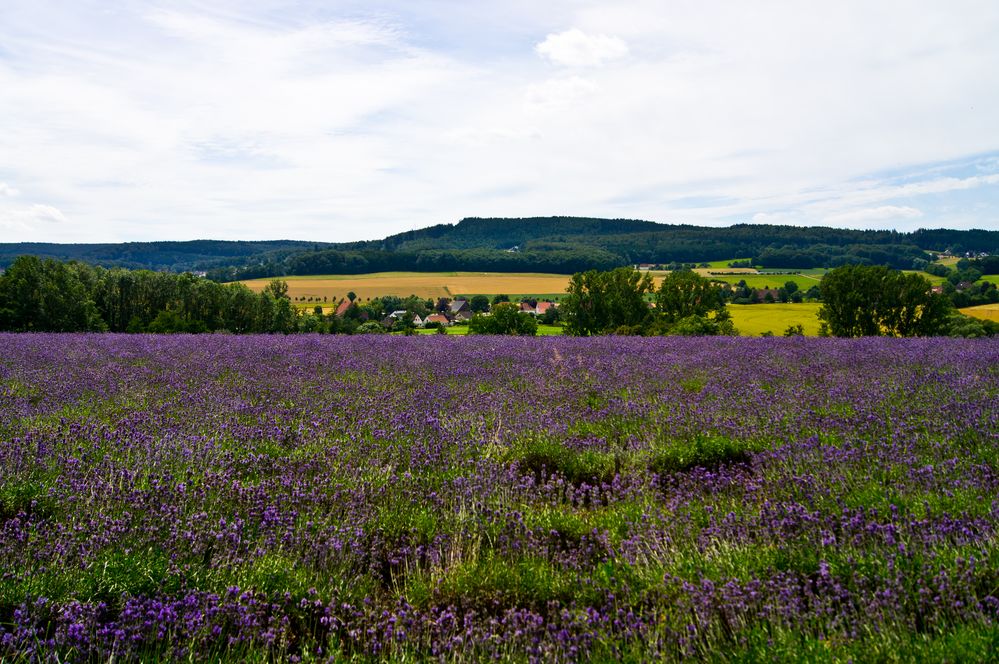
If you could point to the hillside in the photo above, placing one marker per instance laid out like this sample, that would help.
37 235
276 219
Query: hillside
561 245
192 255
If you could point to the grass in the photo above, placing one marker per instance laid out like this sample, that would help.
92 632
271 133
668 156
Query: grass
751 320
769 280
932 278
755 319
723 265
625 491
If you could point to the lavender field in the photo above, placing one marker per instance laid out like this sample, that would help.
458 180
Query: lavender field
437 498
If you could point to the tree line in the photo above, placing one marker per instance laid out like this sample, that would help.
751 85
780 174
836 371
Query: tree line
45 295
857 300
562 245
625 301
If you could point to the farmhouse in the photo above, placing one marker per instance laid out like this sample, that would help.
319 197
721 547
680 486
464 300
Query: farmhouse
400 314
460 310
543 307
341 308
437 318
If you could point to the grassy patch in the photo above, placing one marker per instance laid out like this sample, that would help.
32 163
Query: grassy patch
700 452
543 457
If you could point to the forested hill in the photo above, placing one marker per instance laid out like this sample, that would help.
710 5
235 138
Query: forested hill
541 244
193 255
571 244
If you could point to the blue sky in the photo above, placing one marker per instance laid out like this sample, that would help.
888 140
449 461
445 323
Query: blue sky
336 121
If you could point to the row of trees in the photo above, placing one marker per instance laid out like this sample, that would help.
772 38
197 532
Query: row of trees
858 300
52 296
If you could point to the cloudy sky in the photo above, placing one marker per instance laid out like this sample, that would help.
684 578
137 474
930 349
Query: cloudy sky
339 120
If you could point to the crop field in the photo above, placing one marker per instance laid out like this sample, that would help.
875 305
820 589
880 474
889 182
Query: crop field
519 284
384 498
985 311
423 284
804 281
755 319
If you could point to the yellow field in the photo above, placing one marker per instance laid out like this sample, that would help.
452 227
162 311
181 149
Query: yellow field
754 319
707 271
422 284
983 311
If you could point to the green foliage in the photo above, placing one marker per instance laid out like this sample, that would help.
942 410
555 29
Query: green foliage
959 325
602 302
506 318
615 303
685 294
544 457
371 327
701 452
861 300
794 331
479 304
47 296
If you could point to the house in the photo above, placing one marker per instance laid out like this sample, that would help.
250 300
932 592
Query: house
526 308
937 289
543 308
341 308
762 293
460 310
437 318
400 314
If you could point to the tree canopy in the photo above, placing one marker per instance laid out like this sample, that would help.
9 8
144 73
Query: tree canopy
618 302
861 300
506 318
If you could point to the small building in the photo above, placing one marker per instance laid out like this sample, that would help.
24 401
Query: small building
543 307
400 314
341 308
436 318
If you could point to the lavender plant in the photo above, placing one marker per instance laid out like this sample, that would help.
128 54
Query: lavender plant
449 499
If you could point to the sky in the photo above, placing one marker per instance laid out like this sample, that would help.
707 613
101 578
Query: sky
340 120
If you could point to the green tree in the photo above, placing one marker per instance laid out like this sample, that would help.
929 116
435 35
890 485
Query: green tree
47 296
602 302
506 318
278 288
863 300
479 304
689 304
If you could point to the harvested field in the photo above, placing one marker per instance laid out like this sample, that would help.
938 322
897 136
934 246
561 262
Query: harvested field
423 284
984 311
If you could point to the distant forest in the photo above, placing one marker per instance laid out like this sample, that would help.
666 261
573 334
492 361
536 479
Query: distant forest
563 245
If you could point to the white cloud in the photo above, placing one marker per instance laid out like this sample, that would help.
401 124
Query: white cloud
575 48
27 218
263 118
7 190
876 214
559 92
